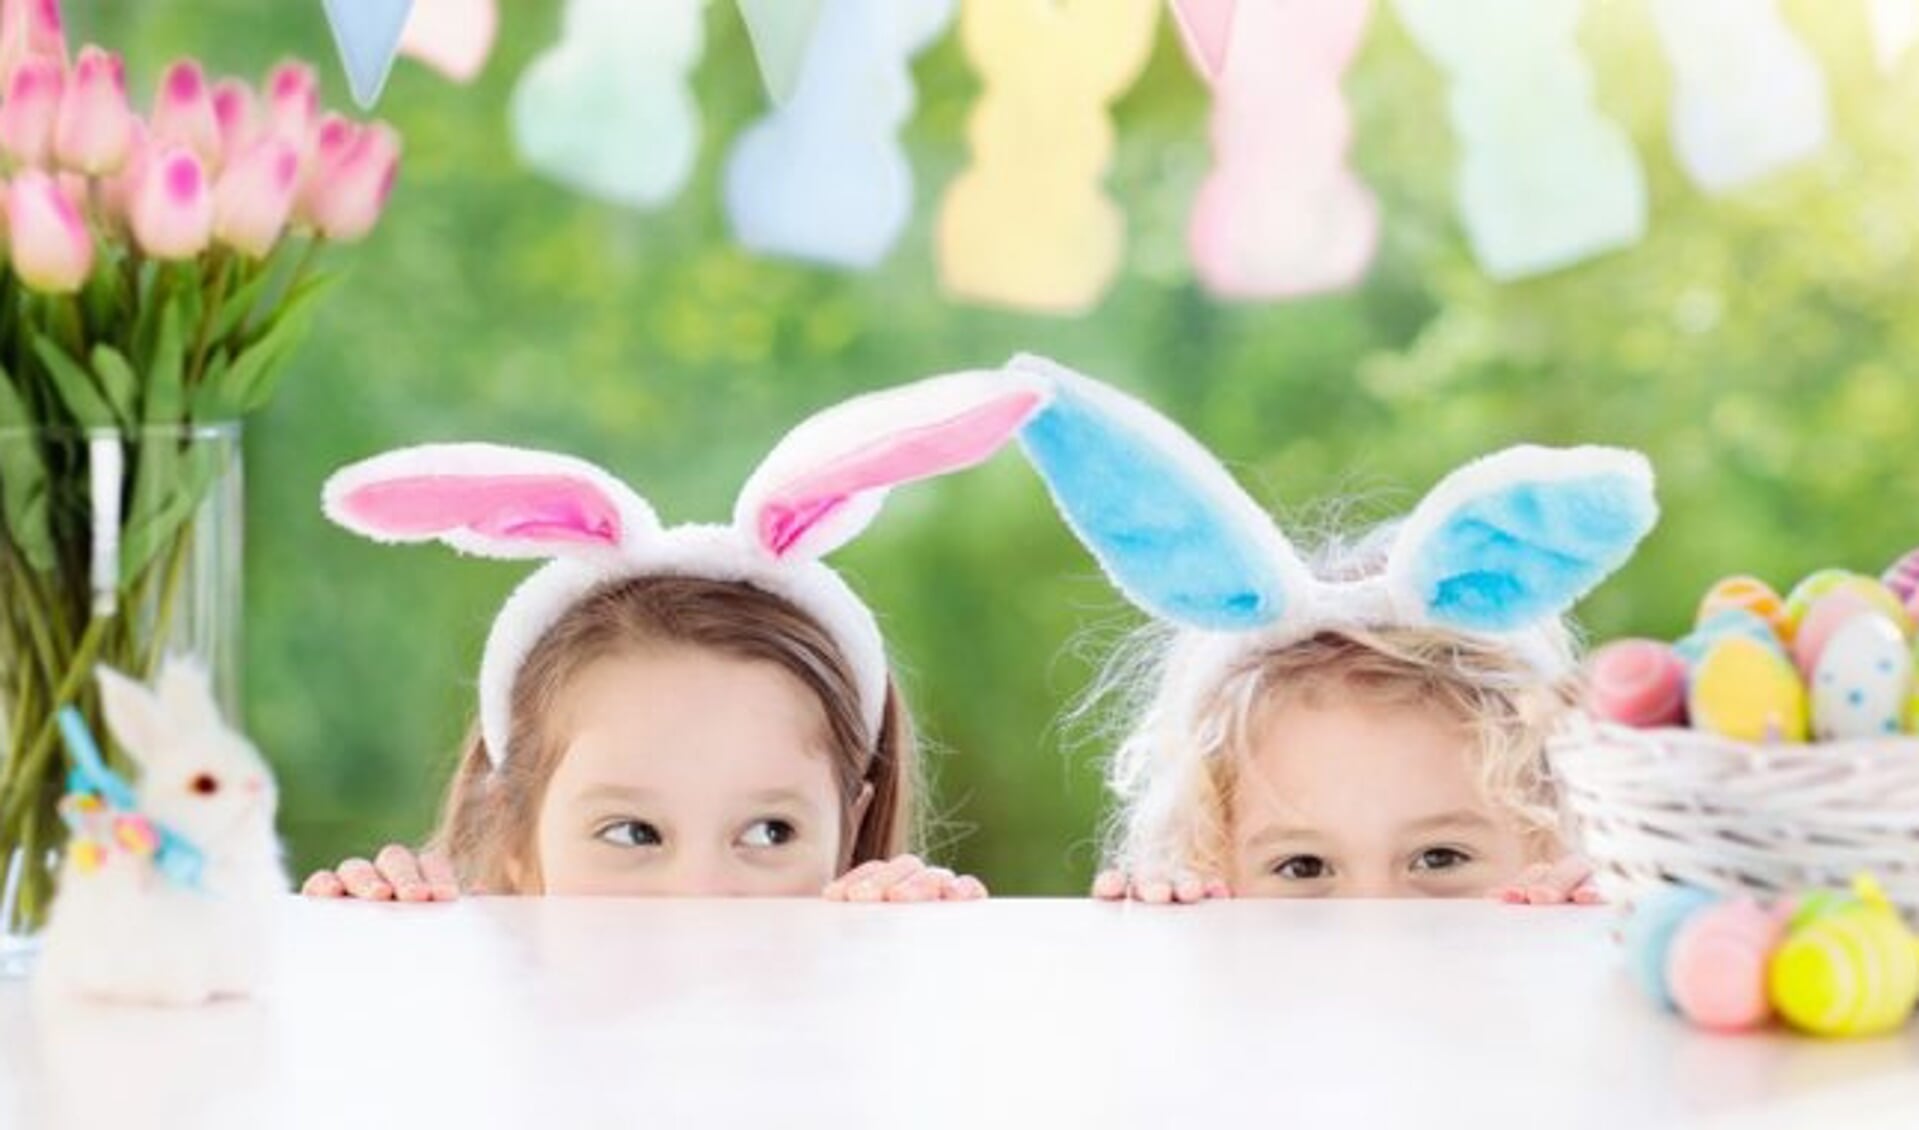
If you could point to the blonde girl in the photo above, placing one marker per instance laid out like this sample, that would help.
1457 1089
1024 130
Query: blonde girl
1370 725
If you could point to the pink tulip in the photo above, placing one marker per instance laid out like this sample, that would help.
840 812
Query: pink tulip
173 206
30 29
234 114
95 126
292 96
183 111
254 196
52 248
116 189
352 181
31 107
322 149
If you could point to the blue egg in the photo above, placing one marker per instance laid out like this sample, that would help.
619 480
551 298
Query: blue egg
1726 622
1656 917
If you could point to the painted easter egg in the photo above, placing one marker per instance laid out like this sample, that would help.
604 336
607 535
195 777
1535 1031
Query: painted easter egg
1649 931
1717 967
1727 622
1743 689
1863 681
1799 601
1637 683
1748 593
1852 970
1902 577
1808 592
1826 616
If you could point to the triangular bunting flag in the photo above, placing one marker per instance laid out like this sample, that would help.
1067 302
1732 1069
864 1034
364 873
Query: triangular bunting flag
368 35
1207 27
780 31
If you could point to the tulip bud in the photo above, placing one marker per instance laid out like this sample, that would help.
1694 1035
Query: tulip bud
183 111
254 196
95 125
52 249
235 115
292 96
30 29
31 107
350 187
173 205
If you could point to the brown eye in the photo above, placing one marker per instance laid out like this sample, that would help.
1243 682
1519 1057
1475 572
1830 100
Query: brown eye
206 784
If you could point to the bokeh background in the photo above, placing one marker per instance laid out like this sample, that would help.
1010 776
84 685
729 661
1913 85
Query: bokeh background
1758 346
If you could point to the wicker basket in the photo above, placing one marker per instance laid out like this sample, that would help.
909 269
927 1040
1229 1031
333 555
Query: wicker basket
1652 806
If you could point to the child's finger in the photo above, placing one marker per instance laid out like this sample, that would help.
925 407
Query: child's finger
399 868
437 869
363 882
1155 890
1217 889
921 886
965 888
1559 881
872 887
1188 888
323 885
1110 885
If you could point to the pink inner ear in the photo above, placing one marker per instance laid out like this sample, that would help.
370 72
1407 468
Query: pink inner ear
799 507
528 508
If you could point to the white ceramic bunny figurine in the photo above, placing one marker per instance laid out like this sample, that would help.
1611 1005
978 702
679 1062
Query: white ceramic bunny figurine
168 890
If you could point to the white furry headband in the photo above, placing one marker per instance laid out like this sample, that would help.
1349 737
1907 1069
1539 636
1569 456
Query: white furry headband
817 490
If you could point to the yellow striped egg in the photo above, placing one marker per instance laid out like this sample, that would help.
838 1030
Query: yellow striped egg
1851 971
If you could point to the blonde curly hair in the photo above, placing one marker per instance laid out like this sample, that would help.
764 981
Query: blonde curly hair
1180 749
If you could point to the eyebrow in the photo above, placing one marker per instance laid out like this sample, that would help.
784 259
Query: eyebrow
1459 819
631 794
626 793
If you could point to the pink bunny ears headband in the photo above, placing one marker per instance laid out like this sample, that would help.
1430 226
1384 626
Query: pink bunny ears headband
819 488
1503 546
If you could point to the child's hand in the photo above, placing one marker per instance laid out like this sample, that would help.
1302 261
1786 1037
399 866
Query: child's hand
1551 884
396 874
1116 886
904 878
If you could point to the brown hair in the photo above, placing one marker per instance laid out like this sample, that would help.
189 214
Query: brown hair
487 824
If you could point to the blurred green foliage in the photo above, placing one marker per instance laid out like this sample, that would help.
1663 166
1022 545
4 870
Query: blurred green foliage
1759 347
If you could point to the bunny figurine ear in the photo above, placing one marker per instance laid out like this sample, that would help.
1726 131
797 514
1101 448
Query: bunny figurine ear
489 501
824 482
1171 528
1521 535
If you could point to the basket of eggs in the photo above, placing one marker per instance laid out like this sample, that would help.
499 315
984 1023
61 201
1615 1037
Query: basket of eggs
1770 751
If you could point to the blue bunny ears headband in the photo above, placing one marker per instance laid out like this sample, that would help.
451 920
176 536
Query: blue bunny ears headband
1502 547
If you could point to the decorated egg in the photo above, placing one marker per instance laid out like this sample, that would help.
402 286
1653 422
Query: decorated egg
1637 683
1716 970
1852 970
1902 577
1649 931
1726 622
1863 681
1799 601
1743 689
1749 594
1826 616
1807 593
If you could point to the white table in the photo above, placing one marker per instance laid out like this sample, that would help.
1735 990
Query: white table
554 1012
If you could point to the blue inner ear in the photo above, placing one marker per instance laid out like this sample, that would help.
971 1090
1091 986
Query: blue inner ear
1167 539
1517 555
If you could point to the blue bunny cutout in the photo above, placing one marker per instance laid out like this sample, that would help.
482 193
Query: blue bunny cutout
1504 544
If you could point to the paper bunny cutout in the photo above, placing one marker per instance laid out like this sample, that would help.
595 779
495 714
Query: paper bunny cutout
169 888
823 177
608 110
818 489
1504 544
1545 180
1029 224
1281 213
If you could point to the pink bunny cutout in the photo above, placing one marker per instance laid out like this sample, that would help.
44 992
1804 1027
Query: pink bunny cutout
1282 213
819 488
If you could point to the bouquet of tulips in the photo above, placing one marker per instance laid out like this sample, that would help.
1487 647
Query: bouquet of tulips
158 274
